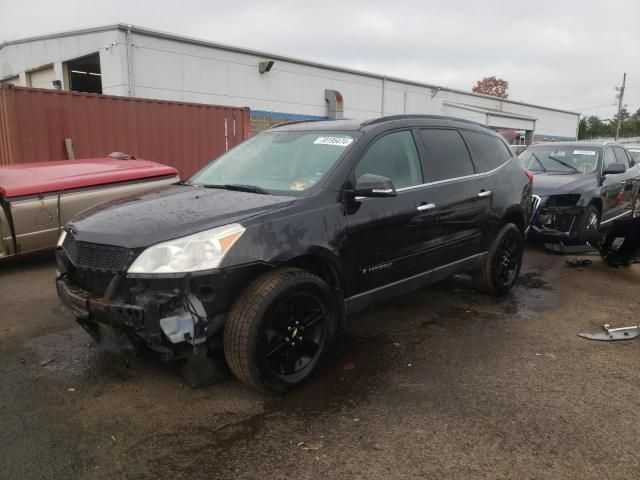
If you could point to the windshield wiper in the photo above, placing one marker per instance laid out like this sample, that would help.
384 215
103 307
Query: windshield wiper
539 162
571 167
239 187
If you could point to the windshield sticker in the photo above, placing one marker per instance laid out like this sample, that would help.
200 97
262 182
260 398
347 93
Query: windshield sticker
584 152
336 141
299 185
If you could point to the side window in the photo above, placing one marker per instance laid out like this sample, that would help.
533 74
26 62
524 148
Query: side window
393 156
489 152
621 156
447 155
609 157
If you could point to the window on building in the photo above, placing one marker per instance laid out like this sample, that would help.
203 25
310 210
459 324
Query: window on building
446 155
83 74
488 152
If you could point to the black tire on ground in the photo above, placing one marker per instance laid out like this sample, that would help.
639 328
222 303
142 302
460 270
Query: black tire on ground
502 265
590 217
279 329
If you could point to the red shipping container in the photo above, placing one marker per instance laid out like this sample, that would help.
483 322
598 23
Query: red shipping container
34 124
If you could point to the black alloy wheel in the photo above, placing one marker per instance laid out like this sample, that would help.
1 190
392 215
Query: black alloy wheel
295 333
508 258
280 328
501 267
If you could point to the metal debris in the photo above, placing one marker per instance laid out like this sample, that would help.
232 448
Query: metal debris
610 334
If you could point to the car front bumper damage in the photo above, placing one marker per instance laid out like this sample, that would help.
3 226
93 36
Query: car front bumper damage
557 223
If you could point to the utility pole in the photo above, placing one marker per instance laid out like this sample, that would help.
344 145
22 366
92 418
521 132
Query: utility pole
620 97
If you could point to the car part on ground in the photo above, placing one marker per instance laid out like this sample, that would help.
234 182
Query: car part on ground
578 263
580 184
613 334
263 253
37 199
618 246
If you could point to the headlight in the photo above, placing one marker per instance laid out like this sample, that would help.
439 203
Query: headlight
200 251
63 235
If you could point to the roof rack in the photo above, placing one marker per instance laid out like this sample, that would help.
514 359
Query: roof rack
391 118
292 122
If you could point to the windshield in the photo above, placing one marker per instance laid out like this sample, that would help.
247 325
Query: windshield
285 163
635 154
560 159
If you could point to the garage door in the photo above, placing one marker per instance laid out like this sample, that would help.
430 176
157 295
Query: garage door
42 78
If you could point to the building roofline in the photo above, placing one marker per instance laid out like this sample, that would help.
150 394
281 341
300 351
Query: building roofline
489 111
231 48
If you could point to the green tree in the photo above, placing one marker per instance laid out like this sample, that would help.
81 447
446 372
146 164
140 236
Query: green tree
582 129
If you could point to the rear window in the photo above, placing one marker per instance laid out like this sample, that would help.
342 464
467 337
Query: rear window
489 152
446 155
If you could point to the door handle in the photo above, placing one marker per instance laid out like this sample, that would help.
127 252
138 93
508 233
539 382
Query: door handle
426 206
484 193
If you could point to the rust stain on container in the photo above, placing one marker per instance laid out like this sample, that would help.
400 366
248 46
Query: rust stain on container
35 122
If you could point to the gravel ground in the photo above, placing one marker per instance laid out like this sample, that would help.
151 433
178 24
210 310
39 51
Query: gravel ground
441 383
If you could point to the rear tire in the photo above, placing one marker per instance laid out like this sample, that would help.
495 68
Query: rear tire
502 265
279 329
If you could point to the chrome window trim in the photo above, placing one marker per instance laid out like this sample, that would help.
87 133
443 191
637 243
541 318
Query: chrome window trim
454 179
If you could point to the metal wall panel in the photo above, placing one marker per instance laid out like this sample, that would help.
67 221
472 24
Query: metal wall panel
34 124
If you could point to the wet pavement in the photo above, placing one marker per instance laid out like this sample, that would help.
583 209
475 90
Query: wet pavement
441 383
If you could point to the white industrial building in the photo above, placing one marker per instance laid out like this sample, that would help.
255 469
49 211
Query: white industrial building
133 61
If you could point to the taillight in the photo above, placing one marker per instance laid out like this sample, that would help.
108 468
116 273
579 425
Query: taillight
529 175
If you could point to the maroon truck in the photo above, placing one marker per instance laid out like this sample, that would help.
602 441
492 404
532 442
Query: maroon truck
37 199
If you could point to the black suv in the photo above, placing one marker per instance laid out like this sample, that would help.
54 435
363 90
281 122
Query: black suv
264 252
580 185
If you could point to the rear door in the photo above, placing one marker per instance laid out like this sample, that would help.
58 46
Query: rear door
459 197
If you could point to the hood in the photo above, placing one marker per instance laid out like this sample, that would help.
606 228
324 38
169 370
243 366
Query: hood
168 213
545 184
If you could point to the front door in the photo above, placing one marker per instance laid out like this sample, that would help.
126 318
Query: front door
386 234
613 189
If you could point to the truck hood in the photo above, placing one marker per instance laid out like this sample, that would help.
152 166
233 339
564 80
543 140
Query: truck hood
545 184
172 212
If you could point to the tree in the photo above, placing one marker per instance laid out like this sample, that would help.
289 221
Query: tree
582 129
496 87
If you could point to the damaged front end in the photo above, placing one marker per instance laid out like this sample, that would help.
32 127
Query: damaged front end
171 316
558 217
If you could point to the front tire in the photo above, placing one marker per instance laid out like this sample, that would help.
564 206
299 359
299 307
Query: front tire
279 329
635 206
502 265
590 219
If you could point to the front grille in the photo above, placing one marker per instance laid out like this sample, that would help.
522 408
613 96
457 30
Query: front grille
94 256
92 281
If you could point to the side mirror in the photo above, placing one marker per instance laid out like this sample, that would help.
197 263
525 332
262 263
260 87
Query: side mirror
615 169
369 185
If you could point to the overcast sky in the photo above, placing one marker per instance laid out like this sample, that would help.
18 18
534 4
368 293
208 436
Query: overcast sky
565 54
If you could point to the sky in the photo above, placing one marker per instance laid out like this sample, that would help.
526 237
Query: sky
563 54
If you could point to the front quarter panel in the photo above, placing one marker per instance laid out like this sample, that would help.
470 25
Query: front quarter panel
278 239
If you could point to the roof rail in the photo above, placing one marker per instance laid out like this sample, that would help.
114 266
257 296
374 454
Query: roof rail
391 118
292 122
